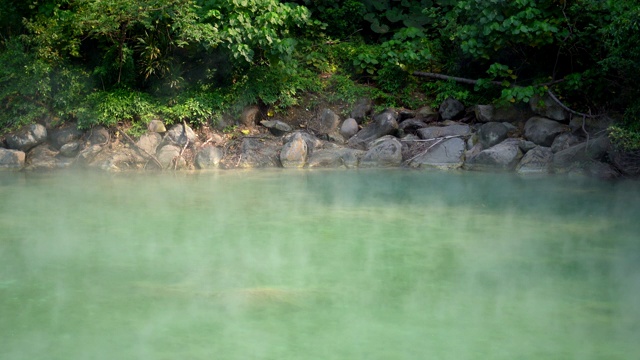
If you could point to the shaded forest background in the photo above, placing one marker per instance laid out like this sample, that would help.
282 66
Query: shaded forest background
112 61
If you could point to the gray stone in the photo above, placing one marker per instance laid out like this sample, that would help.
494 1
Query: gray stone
564 141
209 157
70 149
601 170
156 126
503 156
426 113
526 145
41 158
543 131
509 113
384 152
250 116
149 142
311 140
98 135
433 132
294 153
336 157
276 127
64 135
328 122
178 136
169 157
259 153
576 155
451 109
383 124
536 161
361 110
411 125
86 155
349 128
492 133
27 138
445 155
11 159
546 107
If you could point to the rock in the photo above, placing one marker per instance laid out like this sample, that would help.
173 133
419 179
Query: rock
70 149
383 124
445 155
149 142
250 116
426 113
209 157
503 156
384 152
156 126
601 170
349 128
335 157
492 133
169 157
526 145
178 136
543 131
276 127
27 138
294 153
451 109
87 155
11 159
64 135
576 155
546 107
536 161
509 113
411 125
564 141
362 110
98 135
433 132
328 122
311 140
259 153
42 157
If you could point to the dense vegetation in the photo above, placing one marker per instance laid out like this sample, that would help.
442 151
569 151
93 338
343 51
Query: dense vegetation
109 61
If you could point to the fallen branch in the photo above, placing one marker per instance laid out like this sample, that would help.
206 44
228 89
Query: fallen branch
435 138
155 159
554 98
438 140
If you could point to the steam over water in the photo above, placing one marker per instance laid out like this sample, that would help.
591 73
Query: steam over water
376 264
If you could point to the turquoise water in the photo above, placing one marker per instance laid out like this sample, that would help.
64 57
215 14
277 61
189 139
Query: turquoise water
380 264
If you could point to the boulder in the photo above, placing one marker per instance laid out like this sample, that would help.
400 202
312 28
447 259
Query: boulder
433 132
156 126
426 113
311 140
27 138
259 153
383 152
276 127
362 110
579 154
410 126
42 157
169 157
546 107
124 158
445 155
64 135
349 128
503 156
209 157
250 116
149 142
451 109
564 141
335 157
492 133
11 159
543 131
294 153
179 135
88 154
327 122
70 149
601 170
98 135
383 124
536 161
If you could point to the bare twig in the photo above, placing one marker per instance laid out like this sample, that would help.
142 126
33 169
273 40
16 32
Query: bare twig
432 139
438 140
554 98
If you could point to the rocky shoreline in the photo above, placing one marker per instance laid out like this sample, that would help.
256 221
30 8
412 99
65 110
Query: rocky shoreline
541 138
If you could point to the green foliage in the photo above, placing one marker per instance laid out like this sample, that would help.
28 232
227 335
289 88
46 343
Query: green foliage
108 108
195 107
624 138
387 16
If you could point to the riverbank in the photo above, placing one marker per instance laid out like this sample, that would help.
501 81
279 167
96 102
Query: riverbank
542 138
